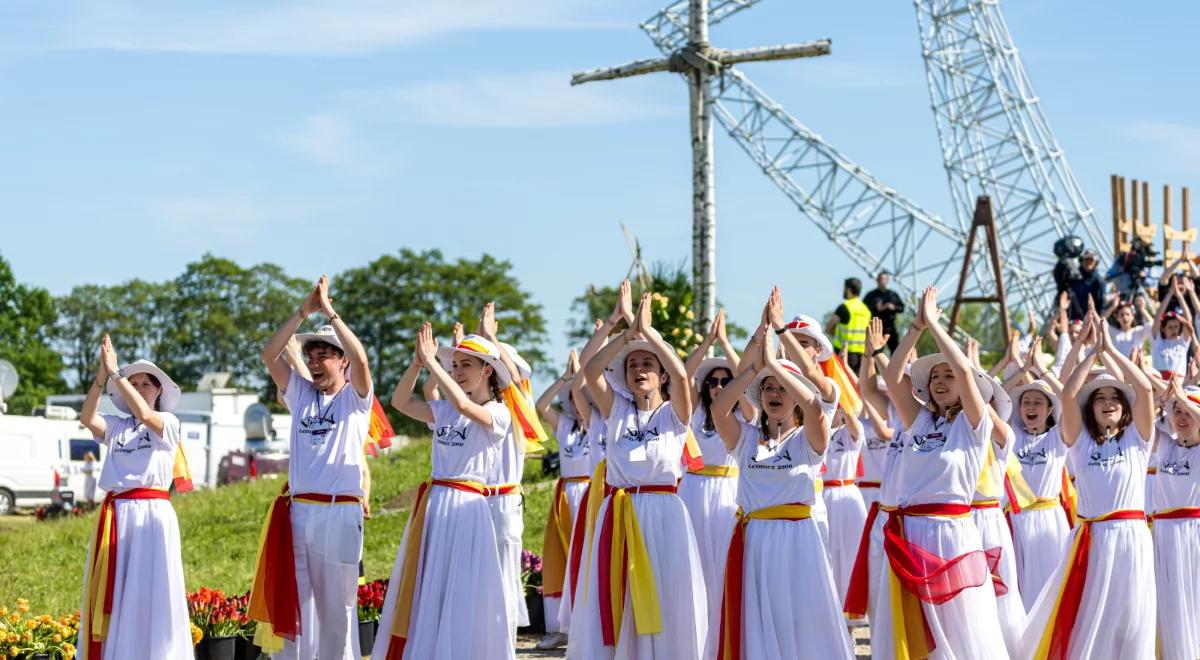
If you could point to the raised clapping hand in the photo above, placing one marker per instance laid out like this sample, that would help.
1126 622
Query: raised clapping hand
623 309
459 334
768 357
641 321
930 312
108 357
426 350
572 364
718 326
487 323
775 309
876 339
326 303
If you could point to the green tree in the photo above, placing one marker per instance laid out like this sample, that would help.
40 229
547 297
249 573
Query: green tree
218 317
386 301
26 325
132 313
673 315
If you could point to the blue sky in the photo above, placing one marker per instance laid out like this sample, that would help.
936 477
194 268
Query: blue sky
319 135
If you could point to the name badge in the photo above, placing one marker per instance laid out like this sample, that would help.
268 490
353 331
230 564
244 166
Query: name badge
638 454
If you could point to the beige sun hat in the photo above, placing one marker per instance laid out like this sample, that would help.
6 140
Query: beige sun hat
1042 387
324 334
481 348
168 398
790 367
923 367
1104 380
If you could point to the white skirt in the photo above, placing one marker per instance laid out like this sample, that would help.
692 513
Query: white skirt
712 508
876 559
847 515
993 531
965 627
149 613
790 608
870 495
671 545
455 612
1177 574
1117 609
553 605
1040 537
510 528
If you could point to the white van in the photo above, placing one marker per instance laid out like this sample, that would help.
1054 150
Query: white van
35 459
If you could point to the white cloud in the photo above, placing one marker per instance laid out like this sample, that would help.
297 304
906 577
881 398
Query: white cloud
223 216
318 26
531 99
329 139
1177 144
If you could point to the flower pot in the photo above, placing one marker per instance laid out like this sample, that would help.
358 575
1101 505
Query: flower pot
245 649
40 656
537 614
217 648
366 636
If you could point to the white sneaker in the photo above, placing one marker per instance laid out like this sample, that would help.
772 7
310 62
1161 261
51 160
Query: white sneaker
554 640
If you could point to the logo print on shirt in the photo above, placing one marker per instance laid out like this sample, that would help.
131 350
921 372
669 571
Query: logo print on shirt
317 428
876 444
781 460
841 445
451 436
1098 459
139 441
1176 468
927 442
1031 456
641 435
896 445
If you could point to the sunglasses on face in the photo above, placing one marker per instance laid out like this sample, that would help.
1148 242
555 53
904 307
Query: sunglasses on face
713 382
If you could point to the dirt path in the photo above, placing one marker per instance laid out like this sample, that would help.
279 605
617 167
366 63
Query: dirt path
525 646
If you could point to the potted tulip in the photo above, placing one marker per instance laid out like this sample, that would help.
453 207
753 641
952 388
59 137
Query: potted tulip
218 619
531 579
370 606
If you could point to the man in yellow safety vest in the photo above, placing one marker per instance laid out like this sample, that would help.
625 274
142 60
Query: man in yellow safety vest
848 326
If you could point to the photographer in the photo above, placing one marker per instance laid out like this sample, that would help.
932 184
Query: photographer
1089 285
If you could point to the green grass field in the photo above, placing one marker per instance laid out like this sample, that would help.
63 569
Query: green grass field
43 561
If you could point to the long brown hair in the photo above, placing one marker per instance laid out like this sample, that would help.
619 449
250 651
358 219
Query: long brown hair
1089 417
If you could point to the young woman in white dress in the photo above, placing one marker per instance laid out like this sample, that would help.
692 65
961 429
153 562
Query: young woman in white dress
843 501
642 543
1177 528
710 493
1100 601
779 598
445 599
137 606
936 594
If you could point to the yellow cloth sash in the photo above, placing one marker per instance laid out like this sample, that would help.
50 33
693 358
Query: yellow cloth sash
556 540
716 471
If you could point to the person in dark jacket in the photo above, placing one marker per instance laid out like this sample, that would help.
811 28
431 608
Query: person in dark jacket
1090 284
885 304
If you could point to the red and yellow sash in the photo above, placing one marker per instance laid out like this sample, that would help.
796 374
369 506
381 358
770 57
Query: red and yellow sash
102 567
1057 635
850 401
414 540
857 593
835 483
692 459
526 426
380 431
1179 513
1069 498
274 598
727 471
919 576
624 562
730 647
555 541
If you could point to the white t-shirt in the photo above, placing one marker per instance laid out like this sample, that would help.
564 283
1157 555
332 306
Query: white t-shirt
462 449
573 458
942 461
1124 341
645 446
712 447
510 464
596 439
874 452
1177 483
1170 354
775 473
841 457
328 432
137 457
1041 457
1111 476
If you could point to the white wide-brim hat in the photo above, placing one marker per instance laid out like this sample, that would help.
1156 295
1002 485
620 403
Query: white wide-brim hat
523 369
708 366
324 334
1041 387
807 325
477 347
615 372
168 398
1104 380
923 367
790 367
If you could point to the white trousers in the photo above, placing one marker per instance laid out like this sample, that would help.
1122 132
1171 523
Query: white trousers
328 546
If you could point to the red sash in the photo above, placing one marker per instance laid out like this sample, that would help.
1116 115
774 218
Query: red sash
622 551
858 591
1181 513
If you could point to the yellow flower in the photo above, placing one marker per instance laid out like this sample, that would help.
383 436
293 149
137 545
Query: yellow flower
57 638
690 315
12 637
674 332
31 624
683 309
687 332
3 611
14 617
12 650
197 634
27 636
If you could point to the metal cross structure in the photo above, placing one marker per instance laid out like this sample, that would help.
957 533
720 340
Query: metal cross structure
701 64
995 141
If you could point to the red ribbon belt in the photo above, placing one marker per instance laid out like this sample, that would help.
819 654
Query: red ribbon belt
1180 513
730 647
1057 635
834 483
621 554
868 484
325 498
858 590
102 566
503 489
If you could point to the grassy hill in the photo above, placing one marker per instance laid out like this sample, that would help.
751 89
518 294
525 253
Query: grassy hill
43 561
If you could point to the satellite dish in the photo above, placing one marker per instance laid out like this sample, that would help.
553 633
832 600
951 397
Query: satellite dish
8 379
257 422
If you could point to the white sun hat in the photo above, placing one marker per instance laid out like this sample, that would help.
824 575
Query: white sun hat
1000 400
708 366
168 398
790 367
323 334
523 369
1039 386
481 348
806 325
1104 380
923 367
615 372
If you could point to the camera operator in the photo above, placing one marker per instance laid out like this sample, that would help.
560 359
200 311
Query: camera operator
1089 285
